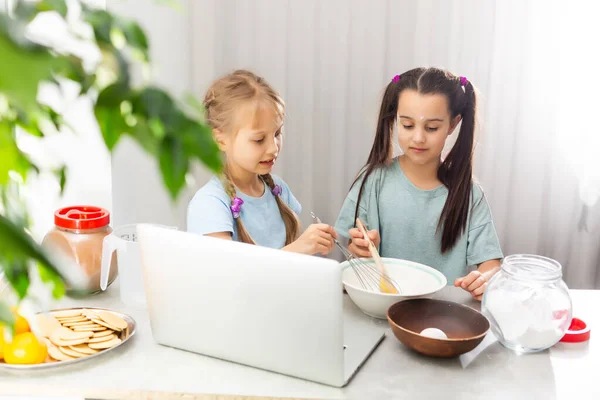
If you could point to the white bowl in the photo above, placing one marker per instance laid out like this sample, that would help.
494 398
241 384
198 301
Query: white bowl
414 279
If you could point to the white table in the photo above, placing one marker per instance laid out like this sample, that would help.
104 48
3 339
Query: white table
392 372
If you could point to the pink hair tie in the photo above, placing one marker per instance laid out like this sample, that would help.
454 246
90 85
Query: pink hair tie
236 207
463 80
396 78
277 190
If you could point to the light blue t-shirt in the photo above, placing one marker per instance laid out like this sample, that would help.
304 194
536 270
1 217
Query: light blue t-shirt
209 212
407 219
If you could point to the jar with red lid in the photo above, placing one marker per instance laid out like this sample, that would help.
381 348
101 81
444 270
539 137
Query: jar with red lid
78 234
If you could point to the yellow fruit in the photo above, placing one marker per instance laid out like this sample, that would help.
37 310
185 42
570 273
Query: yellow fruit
2 342
21 324
25 349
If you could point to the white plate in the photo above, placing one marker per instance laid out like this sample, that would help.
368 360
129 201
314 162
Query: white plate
125 336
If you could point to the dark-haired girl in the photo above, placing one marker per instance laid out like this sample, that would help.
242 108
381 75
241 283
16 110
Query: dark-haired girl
419 206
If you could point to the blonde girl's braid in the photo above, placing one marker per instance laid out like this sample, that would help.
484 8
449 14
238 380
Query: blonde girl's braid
290 219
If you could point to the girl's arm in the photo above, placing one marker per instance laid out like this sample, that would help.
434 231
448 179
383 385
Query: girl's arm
489 268
483 247
476 281
220 235
317 238
358 245
209 212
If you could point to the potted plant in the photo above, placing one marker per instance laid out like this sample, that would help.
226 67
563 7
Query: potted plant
170 131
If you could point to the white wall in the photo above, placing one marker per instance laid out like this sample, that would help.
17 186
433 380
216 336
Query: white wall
331 60
138 192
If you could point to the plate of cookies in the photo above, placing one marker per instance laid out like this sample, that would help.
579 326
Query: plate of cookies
73 335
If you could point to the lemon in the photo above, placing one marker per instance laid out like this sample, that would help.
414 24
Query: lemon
25 349
21 324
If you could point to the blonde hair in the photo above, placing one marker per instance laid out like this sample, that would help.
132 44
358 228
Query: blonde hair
223 100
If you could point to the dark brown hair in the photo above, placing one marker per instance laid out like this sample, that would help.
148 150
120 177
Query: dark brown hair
456 170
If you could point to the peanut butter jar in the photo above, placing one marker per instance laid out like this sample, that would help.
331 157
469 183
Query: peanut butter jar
78 234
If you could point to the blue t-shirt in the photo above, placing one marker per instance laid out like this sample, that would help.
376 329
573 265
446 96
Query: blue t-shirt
209 212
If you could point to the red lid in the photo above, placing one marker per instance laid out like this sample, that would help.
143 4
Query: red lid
81 217
577 332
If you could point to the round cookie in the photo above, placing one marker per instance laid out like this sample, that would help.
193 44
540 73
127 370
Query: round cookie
76 323
88 329
98 334
83 349
58 355
66 314
70 320
71 353
102 338
47 324
105 345
106 324
112 319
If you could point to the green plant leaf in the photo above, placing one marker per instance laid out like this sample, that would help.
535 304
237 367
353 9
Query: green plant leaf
26 11
173 165
143 134
16 242
14 208
157 128
113 95
50 277
61 175
21 70
28 122
6 316
101 22
14 29
112 125
73 70
152 102
11 158
8 152
60 6
193 103
135 37
113 59
17 274
53 116
108 113
199 142
124 76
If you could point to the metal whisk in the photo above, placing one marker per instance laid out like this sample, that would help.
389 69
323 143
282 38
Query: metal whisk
368 275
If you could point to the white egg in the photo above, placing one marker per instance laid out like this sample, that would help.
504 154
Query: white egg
434 333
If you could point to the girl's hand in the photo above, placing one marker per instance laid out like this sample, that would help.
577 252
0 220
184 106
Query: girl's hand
476 281
359 246
317 238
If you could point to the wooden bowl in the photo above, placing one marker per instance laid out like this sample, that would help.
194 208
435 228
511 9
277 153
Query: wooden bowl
464 326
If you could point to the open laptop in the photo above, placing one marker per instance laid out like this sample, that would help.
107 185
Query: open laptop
252 305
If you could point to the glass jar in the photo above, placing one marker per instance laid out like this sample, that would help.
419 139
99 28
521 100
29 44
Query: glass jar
527 303
78 234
